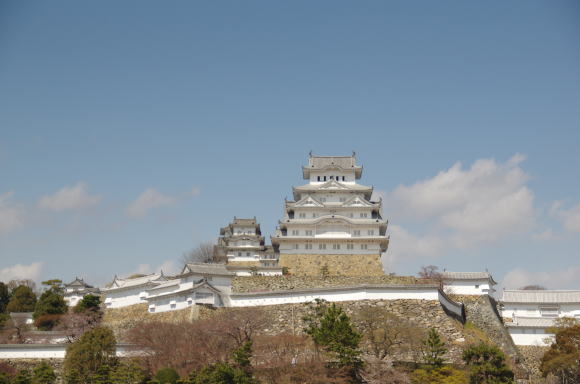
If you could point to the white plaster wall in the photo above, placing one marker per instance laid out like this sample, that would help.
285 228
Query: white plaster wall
468 287
288 247
124 298
72 300
334 296
530 336
182 301
533 310
54 351
349 177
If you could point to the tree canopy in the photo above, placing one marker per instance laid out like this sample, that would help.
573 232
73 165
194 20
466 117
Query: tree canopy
331 328
88 302
23 299
563 358
4 297
87 356
487 365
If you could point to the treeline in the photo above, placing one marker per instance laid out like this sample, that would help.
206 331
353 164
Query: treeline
49 310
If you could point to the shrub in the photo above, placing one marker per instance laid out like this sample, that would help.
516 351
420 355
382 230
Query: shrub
23 299
43 374
166 376
46 322
86 357
487 365
441 375
89 302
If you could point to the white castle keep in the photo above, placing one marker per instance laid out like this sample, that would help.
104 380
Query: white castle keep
332 222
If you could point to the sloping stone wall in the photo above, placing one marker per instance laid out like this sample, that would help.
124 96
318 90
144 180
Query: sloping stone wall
418 315
482 312
242 284
120 320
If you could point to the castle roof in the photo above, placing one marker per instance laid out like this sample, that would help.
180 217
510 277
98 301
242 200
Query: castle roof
320 163
206 269
448 275
541 296
332 186
129 282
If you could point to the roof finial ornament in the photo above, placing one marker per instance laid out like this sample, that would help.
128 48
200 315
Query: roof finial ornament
353 154
310 153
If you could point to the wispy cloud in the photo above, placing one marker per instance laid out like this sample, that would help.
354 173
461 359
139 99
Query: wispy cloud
561 279
148 200
11 214
168 267
195 191
569 217
69 198
21 271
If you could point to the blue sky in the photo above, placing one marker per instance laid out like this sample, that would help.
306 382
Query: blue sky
131 131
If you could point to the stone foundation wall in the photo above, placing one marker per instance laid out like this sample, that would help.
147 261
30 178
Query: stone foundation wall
242 284
416 315
482 312
337 265
532 358
120 320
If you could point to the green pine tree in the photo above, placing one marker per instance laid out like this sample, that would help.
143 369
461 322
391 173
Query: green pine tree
85 357
43 373
167 376
331 329
22 377
434 349
487 365
23 299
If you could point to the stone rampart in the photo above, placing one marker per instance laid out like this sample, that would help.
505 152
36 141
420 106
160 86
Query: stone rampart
334 265
285 283
120 320
482 312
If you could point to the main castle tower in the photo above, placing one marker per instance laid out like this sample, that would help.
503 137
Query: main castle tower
332 226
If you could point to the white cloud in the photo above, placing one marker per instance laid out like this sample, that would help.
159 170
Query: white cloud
570 217
11 215
21 271
464 207
69 198
563 279
149 199
195 191
404 245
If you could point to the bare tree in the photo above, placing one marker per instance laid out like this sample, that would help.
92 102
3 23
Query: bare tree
76 324
534 287
12 284
382 331
429 272
187 346
203 253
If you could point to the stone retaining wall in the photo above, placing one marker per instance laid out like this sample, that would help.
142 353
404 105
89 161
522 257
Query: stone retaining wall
120 320
243 284
335 265
482 312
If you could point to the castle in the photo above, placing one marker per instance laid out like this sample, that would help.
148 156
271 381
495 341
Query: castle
331 228
332 224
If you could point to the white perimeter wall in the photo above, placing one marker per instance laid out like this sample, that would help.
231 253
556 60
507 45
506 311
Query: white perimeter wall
337 295
530 336
125 297
533 310
53 351
468 287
